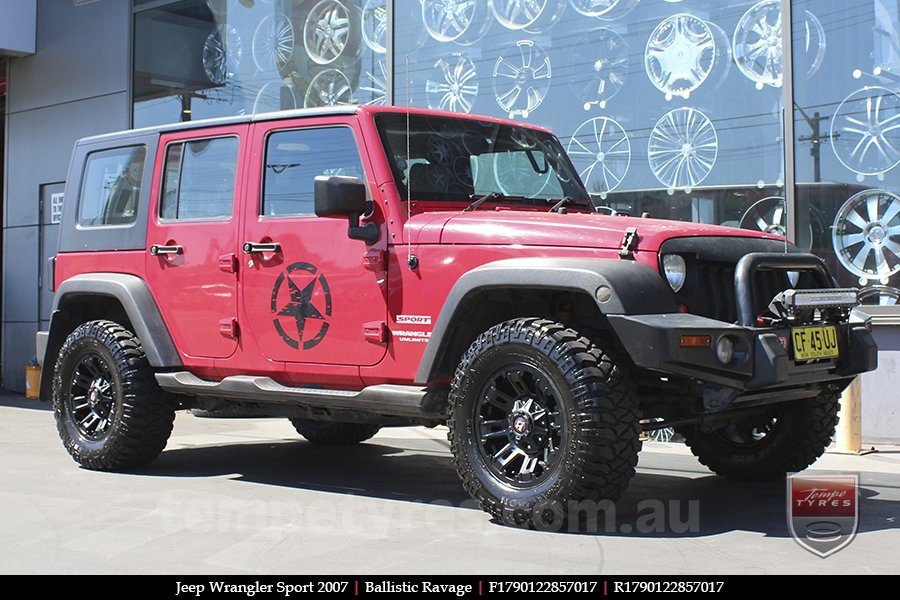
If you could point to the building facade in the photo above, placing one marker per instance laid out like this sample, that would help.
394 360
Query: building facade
780 115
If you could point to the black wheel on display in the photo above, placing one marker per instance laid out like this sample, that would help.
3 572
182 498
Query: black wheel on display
334 434
768 447
539 418
110 413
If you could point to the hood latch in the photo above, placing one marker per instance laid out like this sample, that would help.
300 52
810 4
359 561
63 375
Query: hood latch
629 242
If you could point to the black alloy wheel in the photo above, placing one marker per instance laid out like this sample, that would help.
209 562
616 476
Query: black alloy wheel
520 425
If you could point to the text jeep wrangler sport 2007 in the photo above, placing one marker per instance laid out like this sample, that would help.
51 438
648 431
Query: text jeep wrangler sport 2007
354 268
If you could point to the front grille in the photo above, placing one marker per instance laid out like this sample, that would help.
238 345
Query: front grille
709 288
716 292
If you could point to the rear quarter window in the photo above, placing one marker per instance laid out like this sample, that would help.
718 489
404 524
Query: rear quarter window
111 187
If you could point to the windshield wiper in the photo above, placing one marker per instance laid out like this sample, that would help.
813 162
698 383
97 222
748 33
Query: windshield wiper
493 196
566 200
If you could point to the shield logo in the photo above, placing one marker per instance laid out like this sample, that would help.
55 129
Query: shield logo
823 511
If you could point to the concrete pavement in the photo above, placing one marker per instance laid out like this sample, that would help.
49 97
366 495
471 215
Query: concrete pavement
248 496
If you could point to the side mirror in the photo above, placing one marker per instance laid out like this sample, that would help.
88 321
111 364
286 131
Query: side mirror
337 196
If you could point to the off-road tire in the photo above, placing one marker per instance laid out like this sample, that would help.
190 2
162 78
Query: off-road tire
600 422
334 434
798 435
139 415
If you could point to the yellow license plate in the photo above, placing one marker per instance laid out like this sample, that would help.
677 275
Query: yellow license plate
815 342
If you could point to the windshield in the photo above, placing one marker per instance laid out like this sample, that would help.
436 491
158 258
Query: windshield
458 159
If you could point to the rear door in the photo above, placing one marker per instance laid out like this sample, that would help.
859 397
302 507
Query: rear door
192 238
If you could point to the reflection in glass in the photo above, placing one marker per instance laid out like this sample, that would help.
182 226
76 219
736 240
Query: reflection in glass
601 153
680 55
683 148
453 84
521 78
865 131
866 235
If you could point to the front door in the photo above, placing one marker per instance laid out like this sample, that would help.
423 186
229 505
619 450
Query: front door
192 238
310 293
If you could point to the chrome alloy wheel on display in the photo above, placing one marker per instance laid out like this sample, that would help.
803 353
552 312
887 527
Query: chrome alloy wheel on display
608 10
273 96
327 32
757 45
273 43
866 235
375 25
377 84
680 55
879 295
769 215
328 88
532 16
522 76
601 153
461 21
865 131
453 84
598 67
682 149
222 53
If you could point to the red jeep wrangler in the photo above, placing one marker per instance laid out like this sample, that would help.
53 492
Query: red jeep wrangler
353 268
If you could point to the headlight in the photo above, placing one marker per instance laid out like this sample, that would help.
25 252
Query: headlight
725 350
674 269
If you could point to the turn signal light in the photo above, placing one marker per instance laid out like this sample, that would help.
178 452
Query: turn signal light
696 341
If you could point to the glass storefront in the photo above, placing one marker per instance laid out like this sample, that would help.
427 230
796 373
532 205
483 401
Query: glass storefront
197 59
671 107
847 143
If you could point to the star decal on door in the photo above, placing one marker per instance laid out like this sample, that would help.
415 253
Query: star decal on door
301 305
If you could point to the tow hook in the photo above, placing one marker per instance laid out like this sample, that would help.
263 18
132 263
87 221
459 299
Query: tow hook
717 398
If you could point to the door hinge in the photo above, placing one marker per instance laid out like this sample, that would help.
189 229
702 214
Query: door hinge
228 263
375 331
229 327
373 259
629 243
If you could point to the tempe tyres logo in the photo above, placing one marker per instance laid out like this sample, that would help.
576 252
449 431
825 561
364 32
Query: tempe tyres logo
301 305
823 511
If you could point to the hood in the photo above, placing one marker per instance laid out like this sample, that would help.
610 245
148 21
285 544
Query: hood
531 228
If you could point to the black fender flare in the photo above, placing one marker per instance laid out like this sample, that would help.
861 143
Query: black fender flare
618 287
136 299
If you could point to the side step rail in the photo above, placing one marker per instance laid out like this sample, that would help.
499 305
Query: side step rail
383 399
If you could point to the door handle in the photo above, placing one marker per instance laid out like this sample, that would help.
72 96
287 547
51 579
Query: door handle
252 248
157 249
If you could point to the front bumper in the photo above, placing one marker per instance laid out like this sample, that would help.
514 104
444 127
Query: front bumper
763 358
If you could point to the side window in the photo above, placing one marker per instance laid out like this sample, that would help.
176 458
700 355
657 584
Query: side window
295 158
198 180
111 187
